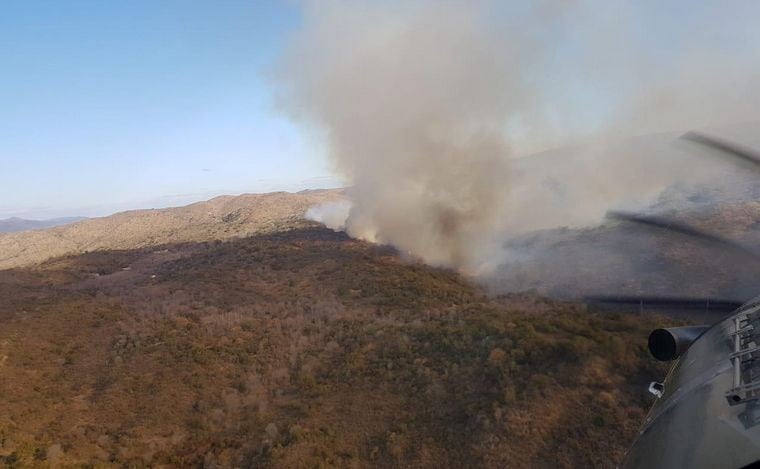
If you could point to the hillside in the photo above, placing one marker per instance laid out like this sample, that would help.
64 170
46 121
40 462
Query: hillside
219 218
305 349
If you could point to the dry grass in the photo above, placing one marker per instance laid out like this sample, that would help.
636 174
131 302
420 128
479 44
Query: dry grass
305 349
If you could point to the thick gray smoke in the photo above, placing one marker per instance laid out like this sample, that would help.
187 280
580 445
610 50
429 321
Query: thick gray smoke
425 106
413 97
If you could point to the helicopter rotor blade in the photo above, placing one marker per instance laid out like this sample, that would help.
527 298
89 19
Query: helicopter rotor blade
739 154
726 147
664 224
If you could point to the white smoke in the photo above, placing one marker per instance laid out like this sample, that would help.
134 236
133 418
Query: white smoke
331 214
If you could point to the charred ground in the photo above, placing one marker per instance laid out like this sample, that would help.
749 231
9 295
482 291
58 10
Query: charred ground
306 349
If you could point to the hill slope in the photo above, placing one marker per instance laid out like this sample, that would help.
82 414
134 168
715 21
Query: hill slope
628 259
219 218
305 349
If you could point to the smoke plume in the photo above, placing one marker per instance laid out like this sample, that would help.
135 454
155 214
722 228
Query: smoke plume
331 214
425 107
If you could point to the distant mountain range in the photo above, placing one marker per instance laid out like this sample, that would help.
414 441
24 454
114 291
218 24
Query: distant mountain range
12 225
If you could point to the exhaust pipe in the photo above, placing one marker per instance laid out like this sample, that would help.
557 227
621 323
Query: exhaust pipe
669 344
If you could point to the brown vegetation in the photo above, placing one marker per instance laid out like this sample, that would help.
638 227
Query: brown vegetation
219 218
305 349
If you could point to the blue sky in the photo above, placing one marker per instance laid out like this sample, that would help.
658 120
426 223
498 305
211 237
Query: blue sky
111 105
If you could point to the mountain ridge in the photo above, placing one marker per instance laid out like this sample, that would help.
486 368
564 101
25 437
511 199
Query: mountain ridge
222 217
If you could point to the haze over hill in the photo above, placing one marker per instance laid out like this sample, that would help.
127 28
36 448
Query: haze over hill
14 224
618 258
570 250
